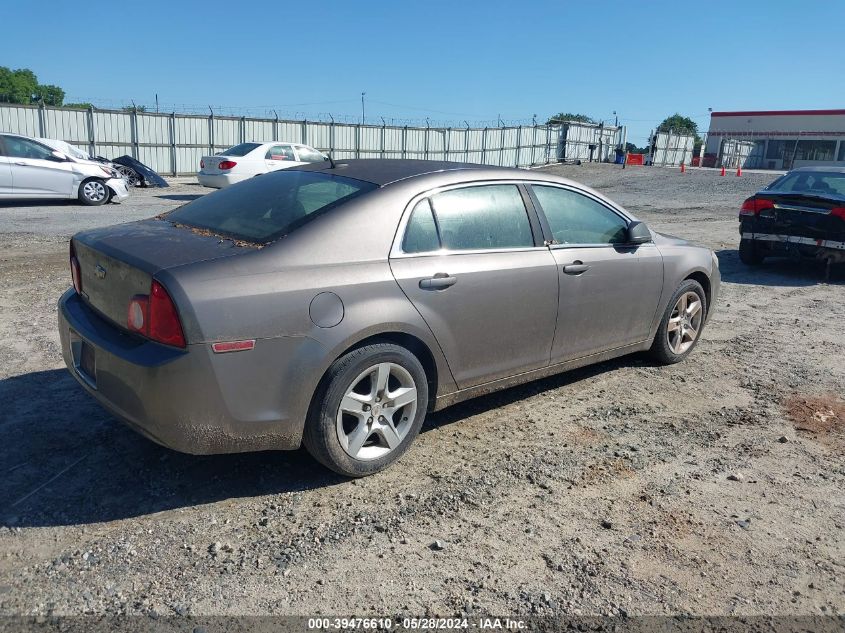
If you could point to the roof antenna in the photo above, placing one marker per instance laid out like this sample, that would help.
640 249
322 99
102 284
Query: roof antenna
331 160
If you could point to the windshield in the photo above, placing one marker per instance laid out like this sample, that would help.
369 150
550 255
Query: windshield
810 182
264 209
240 150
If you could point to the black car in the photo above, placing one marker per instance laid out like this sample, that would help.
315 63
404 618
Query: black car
801 214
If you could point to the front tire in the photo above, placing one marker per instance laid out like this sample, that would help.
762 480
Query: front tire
368 410
750 253
93 192
681 325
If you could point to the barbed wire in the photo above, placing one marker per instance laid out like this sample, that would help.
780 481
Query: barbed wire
284 112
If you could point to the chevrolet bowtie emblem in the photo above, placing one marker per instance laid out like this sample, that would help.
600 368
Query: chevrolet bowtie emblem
100 271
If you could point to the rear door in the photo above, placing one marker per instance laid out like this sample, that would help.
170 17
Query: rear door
609 292
35 171
279 157
472 261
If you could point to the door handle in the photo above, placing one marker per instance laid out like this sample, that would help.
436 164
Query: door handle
440 281
17 162
575 268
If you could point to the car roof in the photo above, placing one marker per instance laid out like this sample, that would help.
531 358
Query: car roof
385 171
832 168
272 143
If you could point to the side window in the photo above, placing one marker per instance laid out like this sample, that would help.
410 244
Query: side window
308 155
482 217
280 152
577 219
17 147
421 232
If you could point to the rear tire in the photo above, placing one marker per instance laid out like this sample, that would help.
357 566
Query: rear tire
750 253
682 323
369 408
93 192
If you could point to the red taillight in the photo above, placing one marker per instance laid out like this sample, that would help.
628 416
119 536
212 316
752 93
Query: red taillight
202 164
155 317
838 212
226 164
75 273
753 206
164 320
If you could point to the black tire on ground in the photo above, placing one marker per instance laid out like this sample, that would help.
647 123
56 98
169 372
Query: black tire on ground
750 253
93 192
660 349
320 435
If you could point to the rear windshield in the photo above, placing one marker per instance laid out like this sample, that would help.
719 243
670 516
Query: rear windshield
810 182
264 209
240 150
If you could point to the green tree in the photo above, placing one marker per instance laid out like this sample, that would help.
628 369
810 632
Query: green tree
17 86
81 106
48 95
140 108
679 123
561 117
21 86
633 149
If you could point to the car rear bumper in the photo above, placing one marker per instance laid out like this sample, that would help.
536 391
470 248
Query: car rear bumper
218 181
191 400
797 245
119 189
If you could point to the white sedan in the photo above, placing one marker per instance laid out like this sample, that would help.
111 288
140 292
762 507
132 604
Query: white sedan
32 169
253 159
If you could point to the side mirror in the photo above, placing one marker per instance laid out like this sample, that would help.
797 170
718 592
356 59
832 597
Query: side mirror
58 156
638 233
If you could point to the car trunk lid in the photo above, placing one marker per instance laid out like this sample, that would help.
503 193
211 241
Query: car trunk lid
119 262
815 216
211 164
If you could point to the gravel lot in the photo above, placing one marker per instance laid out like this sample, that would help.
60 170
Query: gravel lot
713 487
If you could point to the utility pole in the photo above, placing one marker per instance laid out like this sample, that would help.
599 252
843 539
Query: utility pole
615 119
362 107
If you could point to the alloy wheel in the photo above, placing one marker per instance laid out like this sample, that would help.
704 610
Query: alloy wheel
377 411
684 322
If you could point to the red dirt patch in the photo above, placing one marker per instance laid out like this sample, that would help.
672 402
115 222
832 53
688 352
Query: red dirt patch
822 415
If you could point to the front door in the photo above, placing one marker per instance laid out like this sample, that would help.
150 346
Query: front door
477 272
609 291
5 172
34 169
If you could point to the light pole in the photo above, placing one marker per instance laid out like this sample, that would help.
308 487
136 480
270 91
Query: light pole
615 119
362 107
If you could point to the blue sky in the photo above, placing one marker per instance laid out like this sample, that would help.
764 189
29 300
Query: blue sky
448 61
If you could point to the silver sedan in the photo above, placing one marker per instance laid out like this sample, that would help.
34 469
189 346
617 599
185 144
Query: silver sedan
336 304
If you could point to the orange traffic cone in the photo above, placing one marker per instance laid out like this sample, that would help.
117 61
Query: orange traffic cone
683 168
723 170
739 171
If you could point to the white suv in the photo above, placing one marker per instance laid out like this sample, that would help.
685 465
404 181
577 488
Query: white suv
30 169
